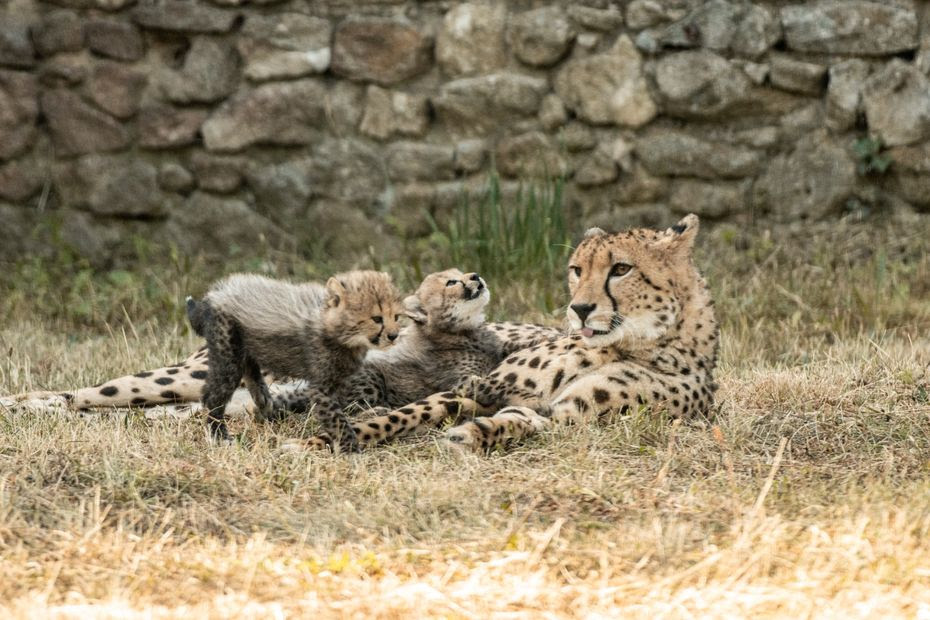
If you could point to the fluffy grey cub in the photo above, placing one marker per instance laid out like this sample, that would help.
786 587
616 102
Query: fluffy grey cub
253 324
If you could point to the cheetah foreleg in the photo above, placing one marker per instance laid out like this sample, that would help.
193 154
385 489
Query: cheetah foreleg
414 418
482 434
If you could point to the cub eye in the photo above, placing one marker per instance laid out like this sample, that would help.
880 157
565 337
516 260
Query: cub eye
576 270
396 317
452 282
620 269
377 319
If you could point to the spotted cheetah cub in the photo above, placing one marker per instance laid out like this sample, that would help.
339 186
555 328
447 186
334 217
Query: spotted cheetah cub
317 333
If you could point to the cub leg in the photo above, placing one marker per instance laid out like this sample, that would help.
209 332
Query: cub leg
258 389
227 366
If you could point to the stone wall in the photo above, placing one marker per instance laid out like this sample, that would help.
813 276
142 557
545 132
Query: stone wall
336 124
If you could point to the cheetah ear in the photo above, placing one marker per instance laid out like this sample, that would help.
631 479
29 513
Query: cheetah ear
680 237
414 309
594 232
335 291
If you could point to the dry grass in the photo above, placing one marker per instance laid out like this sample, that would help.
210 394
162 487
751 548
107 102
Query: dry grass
808 495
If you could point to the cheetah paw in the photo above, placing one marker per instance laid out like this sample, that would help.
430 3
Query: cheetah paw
172 412
462 438
314 444
51 403
564 417
527 415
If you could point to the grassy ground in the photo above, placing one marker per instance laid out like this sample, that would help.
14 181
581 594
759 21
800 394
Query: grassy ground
808 495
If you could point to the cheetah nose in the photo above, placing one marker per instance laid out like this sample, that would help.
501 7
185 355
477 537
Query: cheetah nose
392 337
583 310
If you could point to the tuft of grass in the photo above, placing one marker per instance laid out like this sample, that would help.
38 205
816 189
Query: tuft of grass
871 156
524 238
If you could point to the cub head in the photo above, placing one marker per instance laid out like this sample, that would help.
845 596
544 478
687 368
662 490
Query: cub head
362 309
628 287
449 301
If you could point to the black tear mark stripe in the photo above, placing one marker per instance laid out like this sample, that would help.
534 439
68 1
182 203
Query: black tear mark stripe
613 301
610 296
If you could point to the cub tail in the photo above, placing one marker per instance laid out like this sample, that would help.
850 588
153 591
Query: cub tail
198 312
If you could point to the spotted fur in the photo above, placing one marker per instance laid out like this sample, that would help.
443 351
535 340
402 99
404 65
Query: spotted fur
647 338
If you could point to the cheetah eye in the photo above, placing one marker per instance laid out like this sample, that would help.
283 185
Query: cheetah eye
576 271
620 269
396 317
377 319
452 282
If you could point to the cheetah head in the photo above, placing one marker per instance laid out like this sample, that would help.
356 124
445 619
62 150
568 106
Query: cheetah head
626 287
449 301
362 309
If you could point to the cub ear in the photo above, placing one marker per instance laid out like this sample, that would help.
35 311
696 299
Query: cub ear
594 232
415 310
335 290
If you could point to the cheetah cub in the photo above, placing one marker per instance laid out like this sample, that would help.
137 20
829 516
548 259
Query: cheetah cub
253 324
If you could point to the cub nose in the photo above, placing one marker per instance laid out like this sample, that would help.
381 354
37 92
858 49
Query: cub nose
392 337
583 310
